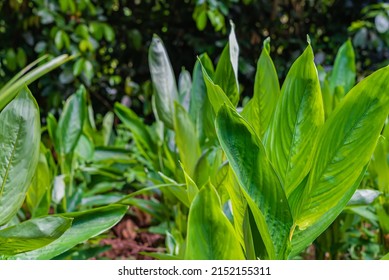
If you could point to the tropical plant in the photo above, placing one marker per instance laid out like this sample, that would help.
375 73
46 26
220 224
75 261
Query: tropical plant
289 171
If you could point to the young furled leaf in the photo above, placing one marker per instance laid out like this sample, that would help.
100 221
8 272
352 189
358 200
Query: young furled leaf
164 82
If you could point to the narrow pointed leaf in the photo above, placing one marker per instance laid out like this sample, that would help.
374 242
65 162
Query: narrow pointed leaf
200 110
11 89
71 122
266 93
186 139
296 122
226 75
259 181
211 236
343 73
19 152
164 82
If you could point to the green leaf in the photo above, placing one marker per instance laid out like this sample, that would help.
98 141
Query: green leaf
238 201
299 114
347 142
186 139
71 122
85 225
19 153
325 91
164 82
26 77
184 88
303 237
258 180
226 75
191 186
32 234
217 97
141 134
210 234
200 109
58 40
386 257
40 184
343 73
379 166
260 109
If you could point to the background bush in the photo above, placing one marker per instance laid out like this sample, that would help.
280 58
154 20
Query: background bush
112 38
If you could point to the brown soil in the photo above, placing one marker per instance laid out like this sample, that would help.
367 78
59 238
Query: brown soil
130 237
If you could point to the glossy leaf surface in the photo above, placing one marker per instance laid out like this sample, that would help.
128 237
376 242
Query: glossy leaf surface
19 152
261 107
259 181
293 130
348 140
32 234
85 225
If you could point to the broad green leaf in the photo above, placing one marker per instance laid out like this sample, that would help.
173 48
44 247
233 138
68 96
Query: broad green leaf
71 122
343 73
164 82
85 225
186 139
19 152
260 109
32 234
347 142
258 180
303 237
211 236
226 75
40 184
293 130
